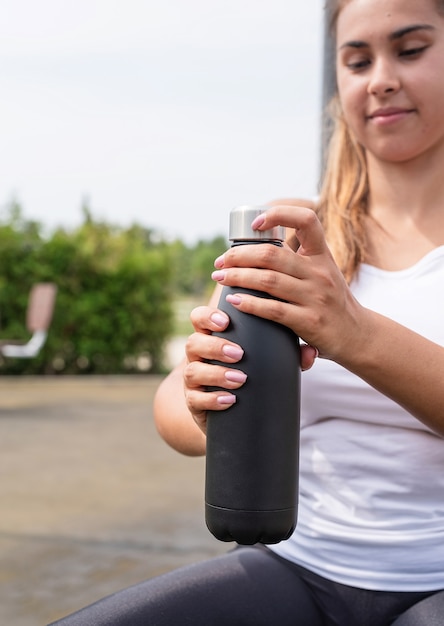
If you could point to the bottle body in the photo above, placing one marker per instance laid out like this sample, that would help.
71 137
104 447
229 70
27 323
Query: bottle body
252 457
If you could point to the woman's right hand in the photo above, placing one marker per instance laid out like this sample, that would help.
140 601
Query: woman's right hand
199 374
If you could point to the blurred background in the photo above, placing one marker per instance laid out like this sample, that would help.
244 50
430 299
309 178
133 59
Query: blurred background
161 112
128 131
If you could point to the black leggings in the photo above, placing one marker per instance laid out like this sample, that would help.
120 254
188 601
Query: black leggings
251 586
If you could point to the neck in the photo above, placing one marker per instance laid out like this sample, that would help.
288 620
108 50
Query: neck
413 190
406 210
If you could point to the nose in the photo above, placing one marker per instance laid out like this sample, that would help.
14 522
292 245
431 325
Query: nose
384 79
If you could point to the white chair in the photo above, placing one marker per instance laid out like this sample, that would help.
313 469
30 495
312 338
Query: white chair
38 319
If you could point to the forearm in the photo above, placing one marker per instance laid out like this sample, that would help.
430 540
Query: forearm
401 364
173 419
313 299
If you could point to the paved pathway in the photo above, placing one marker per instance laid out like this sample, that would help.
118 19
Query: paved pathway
91 499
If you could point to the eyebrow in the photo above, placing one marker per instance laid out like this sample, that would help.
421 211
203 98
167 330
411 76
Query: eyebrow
397 34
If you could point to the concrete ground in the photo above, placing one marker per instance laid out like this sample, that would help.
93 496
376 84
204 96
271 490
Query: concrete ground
91 499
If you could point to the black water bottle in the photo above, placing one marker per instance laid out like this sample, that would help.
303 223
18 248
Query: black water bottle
252 457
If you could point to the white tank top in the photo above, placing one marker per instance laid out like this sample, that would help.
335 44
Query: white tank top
371 500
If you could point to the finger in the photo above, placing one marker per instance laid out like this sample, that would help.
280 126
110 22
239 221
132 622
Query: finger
304 221
308 356
200 346
277 310
200 402
281 260
208 319
201 375
310 204
288 283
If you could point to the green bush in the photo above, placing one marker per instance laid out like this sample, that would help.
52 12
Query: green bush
113 309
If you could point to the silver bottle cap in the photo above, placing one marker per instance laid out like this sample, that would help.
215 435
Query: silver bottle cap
240 225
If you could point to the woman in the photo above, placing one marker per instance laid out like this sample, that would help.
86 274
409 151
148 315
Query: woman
362 277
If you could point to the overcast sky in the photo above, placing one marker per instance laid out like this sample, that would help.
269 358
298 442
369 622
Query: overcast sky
163 112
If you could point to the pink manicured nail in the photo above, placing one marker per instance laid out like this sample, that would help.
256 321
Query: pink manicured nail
220 261
236 376
219 319
258 222
218 275
230 399
233 299
233 352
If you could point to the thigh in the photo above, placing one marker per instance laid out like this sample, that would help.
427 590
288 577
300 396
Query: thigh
247 586
428 612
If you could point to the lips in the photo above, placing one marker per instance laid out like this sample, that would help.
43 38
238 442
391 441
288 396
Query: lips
389 115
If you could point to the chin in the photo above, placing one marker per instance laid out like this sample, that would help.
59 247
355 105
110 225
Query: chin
396 153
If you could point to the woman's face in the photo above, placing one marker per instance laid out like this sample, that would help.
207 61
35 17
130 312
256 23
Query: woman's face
390 71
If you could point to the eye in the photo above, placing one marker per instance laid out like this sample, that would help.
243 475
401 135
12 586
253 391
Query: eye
357 63
412 52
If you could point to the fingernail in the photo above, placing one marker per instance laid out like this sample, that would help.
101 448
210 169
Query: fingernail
230 399
258 222
233 299
218 275
220 261
219 319
236 376
233 352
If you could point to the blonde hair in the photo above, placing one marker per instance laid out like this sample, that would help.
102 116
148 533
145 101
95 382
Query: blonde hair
344 194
